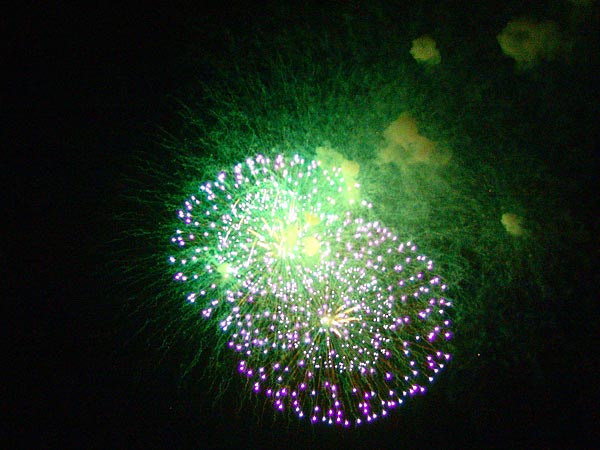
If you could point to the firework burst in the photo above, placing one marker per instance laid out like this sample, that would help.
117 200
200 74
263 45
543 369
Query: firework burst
332 316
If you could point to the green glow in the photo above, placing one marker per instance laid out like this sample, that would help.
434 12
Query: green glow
430 149
315 299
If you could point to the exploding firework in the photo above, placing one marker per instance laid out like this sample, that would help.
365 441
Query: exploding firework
331 315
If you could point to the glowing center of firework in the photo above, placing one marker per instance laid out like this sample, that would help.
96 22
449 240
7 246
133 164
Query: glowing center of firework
278 240
336 322
285 237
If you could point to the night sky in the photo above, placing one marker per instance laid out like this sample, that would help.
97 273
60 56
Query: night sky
91 89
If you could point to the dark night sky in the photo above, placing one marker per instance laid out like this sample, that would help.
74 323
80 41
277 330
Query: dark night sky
87 88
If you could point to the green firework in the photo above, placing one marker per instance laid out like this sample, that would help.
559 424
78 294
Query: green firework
332 316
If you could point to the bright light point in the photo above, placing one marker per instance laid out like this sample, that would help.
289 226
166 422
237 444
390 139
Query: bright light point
326 321
311 246
225 270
